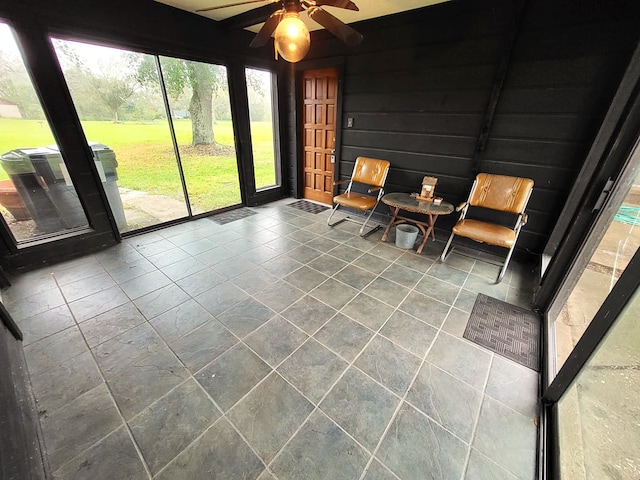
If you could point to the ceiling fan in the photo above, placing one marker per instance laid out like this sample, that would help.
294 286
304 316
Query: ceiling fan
282 20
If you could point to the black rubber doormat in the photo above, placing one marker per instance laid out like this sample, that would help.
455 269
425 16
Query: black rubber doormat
505 329
232 215
308 207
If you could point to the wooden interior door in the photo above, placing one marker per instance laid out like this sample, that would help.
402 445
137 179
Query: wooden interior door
320 97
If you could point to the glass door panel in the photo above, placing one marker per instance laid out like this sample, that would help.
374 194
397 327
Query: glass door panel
37 196
599 415
200 107
261 94
614 252
119 100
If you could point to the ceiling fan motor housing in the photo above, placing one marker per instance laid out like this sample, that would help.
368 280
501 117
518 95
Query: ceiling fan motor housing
291 6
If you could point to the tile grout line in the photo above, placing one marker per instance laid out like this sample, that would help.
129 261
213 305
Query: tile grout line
148 321
403 399
474 430
191 376
317 406
115 404
273 371
393 416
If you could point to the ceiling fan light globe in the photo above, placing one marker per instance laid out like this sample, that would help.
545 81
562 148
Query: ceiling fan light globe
292 38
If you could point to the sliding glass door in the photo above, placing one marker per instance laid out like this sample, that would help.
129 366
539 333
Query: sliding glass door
198 98
592 379
160 130
599 416
118 97
595 393
620 240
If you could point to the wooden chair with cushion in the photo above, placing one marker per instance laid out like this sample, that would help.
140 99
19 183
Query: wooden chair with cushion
494 192
370 172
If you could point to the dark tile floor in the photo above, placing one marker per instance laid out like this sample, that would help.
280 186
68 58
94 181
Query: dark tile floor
272 347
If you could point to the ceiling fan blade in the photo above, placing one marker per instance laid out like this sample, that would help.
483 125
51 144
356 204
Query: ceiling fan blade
340 29
218 7
263 36
252 17
346 4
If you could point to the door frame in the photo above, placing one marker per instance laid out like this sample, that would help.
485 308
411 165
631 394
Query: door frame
614 154
298 145
310 185
239 97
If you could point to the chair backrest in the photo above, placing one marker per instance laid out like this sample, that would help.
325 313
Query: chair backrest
500 192
370 171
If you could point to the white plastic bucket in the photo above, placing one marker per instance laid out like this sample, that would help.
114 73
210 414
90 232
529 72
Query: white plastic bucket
406 235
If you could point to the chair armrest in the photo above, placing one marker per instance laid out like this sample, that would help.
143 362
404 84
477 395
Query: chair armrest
340 182
461 206
373 189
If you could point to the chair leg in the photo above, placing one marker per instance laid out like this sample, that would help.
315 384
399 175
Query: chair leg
443 256
331 216
362 234
505 265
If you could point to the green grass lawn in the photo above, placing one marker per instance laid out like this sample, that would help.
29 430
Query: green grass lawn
146 161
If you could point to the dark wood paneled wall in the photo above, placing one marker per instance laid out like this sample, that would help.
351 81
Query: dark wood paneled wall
568 61
419 86
417 93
